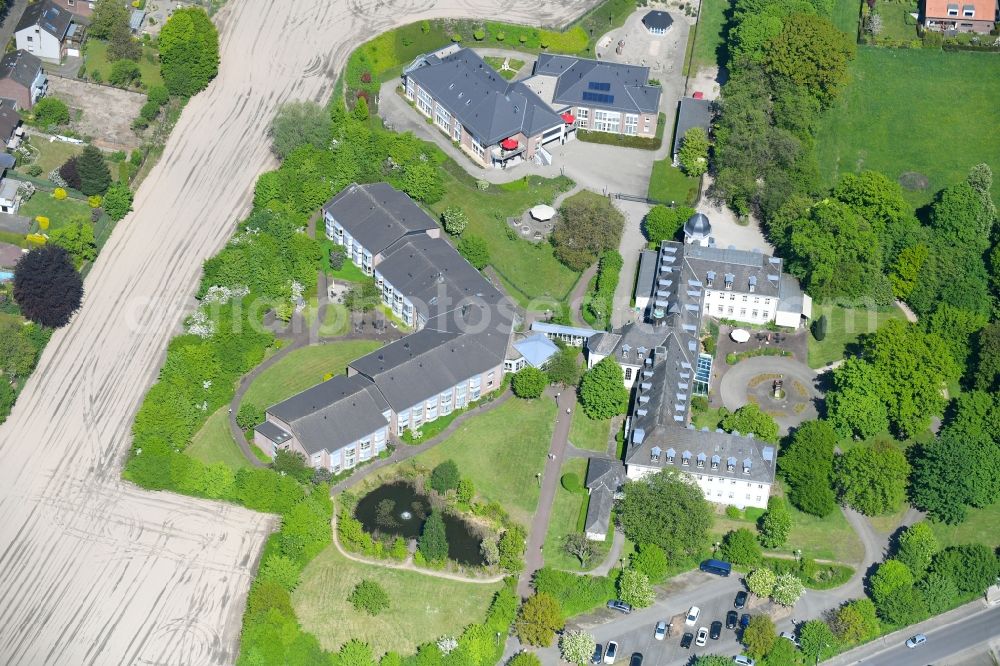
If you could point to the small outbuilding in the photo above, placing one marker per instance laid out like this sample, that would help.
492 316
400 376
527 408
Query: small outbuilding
691 112
657 22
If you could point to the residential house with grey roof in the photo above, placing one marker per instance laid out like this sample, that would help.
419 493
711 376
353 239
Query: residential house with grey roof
22 79
600 96
456 355
604 480
691 112
499 123
48 31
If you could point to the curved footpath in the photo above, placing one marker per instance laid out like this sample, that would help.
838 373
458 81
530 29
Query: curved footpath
92 569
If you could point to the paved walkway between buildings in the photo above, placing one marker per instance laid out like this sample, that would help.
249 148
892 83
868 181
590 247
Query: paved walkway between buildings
579 295
408 564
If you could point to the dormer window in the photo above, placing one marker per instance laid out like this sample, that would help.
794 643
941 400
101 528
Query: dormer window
654 454
715 462
729 280
746 465
710 279
753 283
731 465
952 10
686 458
701 461
968 11
670 456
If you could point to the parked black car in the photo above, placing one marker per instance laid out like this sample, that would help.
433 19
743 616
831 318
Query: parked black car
744 620
686 640
614 604
741 599
598 657
732 618
715 631
636 659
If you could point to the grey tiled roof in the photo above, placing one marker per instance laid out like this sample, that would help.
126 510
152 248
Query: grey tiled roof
20 66
657 19
599 511
743 265
377 215
9 120
333 414
47 15
692 113
487 105
625 85
604 472
273 432
735 448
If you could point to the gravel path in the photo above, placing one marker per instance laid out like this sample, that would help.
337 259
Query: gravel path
92 569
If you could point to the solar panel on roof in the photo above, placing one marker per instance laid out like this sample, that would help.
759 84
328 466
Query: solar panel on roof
596 85
600 98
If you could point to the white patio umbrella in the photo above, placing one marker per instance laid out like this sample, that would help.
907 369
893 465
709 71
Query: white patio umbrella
740 335
542 212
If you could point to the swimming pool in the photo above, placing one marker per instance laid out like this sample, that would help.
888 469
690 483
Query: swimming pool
6 275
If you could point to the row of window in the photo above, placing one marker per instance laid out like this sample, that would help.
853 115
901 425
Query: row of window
708 493
732 297
754 314
443 404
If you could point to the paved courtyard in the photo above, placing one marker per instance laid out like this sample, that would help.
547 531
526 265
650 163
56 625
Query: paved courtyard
752 380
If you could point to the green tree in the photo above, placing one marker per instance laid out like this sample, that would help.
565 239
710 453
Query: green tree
787 589
17 354
249 416
445 476
917 547
906 270
634 589
475 250
664 223
712 660
124 73
879 201
889 576
433 542
776 524
47 288
986 376
665 510
107 15
77 239
280 570
855 406
856 621
361 110
529 382
693 154
454 220
939 592
50 111
576 646
972 567
602 390
811 52
588 224
511 547
189 52
564 368
422 181
904 605
955 328
740 547
817 639
807 466
761 582
759 636
650 560
355 653
749 419
524 659
369 596
465 491
95 177
117 201
872 478
538 620
579 546
297 124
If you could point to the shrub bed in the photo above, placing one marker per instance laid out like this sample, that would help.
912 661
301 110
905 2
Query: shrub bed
575 594
733 359
623 140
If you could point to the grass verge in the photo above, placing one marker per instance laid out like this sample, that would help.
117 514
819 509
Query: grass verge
668 183
844 327
214 443
586 433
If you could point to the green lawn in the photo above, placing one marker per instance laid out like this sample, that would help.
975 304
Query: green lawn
586 433
421 608
303 368
52 154
980 526
709 46
96 59
531 271
567 508
845 15
914 110
894 20
830 538
668 183
214 443
710 418
500 451
58 212
844 327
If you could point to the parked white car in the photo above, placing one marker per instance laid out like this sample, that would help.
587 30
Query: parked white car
692 616
702 637
915 641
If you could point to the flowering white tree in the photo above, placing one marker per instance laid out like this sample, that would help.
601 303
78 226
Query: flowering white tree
576 646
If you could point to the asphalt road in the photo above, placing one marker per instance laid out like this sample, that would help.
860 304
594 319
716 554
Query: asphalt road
941 643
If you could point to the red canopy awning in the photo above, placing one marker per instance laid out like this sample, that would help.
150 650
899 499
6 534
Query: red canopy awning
699 95
568 118
509 144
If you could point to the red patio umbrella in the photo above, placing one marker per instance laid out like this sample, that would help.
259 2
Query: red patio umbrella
509 144
568 118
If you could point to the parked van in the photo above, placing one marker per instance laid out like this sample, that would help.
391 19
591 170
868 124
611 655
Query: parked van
717 567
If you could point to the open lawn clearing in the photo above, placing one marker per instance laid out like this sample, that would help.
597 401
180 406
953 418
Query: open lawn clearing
668 183
830 538
214 443
500 451
709 418
97 61
567 511
107 112
421 608
303 368
844 327
894 17
59 212
709 46
51 154
532 270
845 15
887 523
980 526
586 433
920 111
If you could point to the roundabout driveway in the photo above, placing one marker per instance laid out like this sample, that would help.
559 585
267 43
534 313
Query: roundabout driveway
752 380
